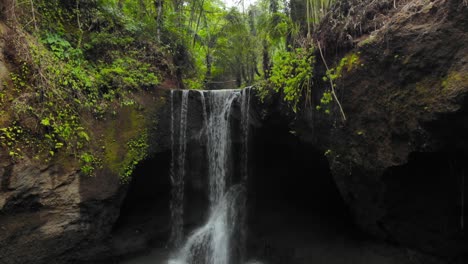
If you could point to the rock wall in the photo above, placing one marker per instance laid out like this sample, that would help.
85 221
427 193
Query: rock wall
404 95
49 211
398 160
46 210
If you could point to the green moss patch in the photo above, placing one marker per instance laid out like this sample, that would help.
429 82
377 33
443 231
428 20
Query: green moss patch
454 81
125 142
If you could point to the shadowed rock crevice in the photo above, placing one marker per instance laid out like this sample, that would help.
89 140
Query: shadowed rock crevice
293 200
7 171
406 96
424 202
144 214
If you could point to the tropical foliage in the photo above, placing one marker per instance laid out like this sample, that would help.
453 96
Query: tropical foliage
76 58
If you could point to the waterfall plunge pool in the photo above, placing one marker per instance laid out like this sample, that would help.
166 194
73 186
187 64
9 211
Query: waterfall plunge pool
294 211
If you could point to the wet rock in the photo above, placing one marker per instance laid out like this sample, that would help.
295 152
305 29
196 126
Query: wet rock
404 97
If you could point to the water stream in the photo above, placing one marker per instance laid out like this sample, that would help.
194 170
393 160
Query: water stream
221 240
178 146
211 128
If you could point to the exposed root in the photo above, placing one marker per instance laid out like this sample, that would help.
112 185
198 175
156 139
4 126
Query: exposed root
331 83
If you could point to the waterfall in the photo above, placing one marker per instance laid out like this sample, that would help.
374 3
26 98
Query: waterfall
203 102
245 120
221 239
245 123
178 167
219 142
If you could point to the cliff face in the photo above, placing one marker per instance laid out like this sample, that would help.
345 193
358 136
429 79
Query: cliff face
47 210
400 158
50 211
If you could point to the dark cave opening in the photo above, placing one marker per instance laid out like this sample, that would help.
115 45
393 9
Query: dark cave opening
144 219
296 214
288 171
294 202
295 211
144 223
425 201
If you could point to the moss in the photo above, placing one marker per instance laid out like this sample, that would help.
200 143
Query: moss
426 96
137 150
347 64
111 148
351 61
424 86
125 142
431 91
57 86
4 117
454 81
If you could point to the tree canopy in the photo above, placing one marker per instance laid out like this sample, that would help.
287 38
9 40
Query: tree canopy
91 56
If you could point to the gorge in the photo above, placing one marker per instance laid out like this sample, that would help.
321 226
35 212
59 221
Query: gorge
126 136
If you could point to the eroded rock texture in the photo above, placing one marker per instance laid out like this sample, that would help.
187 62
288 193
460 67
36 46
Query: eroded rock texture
47 210
398 161
400 158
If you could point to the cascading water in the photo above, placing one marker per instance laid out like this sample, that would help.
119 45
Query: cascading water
222 239
178 167
245 120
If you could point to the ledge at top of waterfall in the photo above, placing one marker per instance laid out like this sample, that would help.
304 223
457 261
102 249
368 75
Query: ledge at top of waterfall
221 239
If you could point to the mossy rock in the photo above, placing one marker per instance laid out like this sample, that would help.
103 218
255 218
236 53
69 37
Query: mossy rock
128 126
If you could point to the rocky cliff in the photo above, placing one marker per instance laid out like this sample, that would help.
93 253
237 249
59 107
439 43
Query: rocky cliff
399 159
50 211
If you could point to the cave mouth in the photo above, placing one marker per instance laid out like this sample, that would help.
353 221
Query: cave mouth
294 203
425 202
295 211
144 220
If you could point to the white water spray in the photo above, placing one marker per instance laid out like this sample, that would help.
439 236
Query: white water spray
178 168
222 238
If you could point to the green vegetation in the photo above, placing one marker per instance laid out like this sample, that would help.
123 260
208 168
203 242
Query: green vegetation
325 102
125 142
88 164
77 64
73 60
9 136
348 63
454 80
136 151
292 73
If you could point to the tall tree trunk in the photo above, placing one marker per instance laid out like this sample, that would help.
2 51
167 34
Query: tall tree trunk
142 11
266 60
238 72
7 9
178 11
33 13
208 66
159 4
